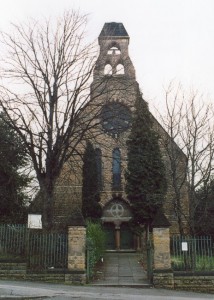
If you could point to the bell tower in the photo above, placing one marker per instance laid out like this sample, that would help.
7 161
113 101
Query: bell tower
114 84
114 58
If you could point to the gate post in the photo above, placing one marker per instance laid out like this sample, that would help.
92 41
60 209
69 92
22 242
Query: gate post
162 271
76 252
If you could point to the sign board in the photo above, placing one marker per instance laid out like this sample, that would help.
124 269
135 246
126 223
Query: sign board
184 246
34 221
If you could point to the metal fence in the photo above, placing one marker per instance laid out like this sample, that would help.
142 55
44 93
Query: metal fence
13 240
192 253
46 250
41 250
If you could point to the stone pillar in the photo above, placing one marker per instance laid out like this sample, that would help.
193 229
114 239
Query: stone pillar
76 255
76 248
162 271
162 259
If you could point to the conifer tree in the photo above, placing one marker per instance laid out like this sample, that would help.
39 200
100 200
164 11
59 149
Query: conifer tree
13 179
145 175
90 188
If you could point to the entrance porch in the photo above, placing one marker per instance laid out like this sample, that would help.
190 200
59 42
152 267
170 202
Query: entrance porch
116 223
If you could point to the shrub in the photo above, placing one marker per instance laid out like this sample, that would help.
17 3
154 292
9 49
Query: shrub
95 244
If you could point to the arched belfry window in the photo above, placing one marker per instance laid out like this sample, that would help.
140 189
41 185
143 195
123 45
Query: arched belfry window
116 169
120 69
108 69
114 51
98 154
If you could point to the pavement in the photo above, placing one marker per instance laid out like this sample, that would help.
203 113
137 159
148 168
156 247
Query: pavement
10 290
121 269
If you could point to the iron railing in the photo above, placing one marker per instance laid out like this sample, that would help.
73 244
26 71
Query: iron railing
193 253
41 249
46 250
13 239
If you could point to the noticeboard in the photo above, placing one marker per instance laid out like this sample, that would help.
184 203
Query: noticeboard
34 221
184 246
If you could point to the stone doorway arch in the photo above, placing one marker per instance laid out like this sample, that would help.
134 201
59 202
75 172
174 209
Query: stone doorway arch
116 219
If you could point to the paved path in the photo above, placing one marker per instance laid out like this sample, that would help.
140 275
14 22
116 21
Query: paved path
121 269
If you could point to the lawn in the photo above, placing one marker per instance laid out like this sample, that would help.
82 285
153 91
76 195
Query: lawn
197 263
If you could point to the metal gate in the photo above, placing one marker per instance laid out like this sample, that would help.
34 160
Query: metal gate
150 253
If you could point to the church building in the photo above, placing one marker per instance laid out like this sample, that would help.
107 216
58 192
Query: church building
114 90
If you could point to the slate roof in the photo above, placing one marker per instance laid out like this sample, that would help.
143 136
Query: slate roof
113 29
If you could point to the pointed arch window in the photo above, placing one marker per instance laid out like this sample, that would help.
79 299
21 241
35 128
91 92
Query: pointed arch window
98 156
108 69
120 69
116 169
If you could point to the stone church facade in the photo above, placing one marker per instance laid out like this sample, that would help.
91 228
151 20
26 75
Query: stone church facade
114 90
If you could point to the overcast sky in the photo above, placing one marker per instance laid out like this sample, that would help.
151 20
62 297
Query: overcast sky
168 38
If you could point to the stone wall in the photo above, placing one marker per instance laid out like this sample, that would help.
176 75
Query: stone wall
18 271
163 279
185 281
196 283
67 201
180 161
13 270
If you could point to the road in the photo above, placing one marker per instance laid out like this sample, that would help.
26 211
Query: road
31 290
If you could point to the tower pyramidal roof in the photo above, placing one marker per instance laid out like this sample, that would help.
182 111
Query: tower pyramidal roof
113 29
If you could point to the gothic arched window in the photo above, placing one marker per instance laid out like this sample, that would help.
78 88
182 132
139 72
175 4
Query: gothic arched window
108 69
120 69
116 169
99 167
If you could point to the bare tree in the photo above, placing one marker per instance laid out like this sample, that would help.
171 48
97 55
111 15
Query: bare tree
46 75
189 123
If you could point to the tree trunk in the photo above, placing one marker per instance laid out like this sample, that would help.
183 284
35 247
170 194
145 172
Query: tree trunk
47 200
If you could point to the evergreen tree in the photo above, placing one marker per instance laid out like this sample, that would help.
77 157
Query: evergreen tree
13 159
204 211
145 175
90 187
